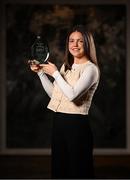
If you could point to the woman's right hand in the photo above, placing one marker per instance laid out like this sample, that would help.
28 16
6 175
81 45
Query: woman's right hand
34 66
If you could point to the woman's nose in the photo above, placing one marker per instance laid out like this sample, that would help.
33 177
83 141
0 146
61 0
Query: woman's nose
76 43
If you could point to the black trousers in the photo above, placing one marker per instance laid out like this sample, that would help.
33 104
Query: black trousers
72 147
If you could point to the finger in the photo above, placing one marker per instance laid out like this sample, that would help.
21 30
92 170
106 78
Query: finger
50 63
34 68
45 66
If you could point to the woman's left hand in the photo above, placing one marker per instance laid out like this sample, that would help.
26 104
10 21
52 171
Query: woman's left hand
49 68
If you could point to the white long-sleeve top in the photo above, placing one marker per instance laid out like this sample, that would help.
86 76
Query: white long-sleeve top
89 76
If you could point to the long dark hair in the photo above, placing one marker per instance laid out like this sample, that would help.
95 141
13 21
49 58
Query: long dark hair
89 46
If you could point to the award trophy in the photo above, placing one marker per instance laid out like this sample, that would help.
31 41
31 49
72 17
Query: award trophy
39 51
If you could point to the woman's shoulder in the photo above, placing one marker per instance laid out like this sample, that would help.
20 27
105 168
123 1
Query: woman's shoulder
91 67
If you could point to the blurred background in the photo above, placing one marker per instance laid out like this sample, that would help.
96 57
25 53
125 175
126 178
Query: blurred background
25 122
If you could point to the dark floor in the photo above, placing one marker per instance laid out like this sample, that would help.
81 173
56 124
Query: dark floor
38 167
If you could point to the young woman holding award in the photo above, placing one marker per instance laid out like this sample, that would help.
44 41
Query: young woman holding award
71 95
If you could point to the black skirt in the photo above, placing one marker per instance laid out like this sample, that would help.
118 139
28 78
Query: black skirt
72 147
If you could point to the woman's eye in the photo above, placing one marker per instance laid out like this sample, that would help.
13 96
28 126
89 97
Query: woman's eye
78 41
81 41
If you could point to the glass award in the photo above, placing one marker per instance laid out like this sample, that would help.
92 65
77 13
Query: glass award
40 50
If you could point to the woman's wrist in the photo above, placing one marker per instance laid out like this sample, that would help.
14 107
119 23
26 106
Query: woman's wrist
55 74
41 72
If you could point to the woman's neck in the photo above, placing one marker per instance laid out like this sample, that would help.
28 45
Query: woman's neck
80 60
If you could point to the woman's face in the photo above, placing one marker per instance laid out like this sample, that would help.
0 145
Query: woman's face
76 44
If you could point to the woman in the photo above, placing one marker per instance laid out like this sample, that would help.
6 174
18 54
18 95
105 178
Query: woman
70 99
